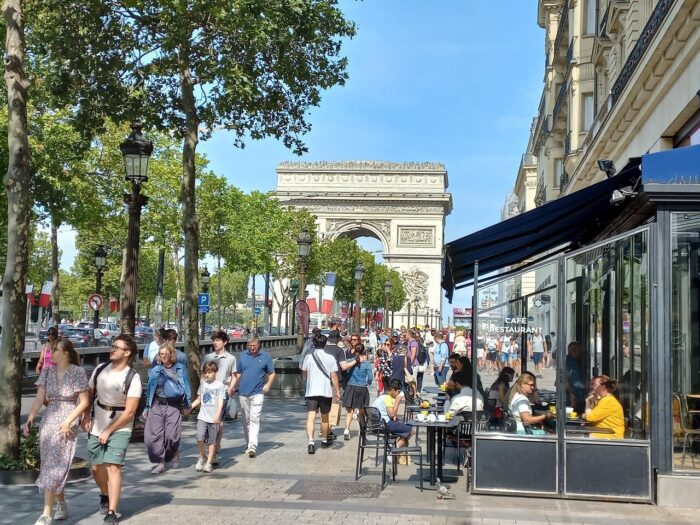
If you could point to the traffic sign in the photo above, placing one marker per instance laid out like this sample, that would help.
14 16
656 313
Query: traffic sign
203 303
95 301
257 310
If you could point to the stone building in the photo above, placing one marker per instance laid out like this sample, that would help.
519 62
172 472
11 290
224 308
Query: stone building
621 79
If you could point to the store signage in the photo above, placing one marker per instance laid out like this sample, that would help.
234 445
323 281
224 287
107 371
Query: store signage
513 325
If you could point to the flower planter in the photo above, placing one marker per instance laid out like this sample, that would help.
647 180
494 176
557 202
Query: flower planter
80 470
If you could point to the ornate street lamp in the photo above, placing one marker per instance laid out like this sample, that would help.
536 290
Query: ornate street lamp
205 288
136 151
100 265
303 249
387 292
359 272
415 313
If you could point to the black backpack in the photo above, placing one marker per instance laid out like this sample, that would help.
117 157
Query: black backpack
422 354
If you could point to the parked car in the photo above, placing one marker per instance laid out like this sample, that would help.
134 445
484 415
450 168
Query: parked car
143 335
80 337
109 330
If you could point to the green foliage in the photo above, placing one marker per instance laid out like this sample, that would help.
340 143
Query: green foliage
39 259
29 457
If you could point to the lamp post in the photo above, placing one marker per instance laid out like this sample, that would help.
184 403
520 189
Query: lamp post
100 264
136 151
359 272
205 288
408 306
387 293
415 314
303 249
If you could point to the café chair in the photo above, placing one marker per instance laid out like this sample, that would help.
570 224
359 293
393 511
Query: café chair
686 431
392 452
372 435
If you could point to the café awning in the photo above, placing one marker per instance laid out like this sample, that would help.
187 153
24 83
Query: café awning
565 223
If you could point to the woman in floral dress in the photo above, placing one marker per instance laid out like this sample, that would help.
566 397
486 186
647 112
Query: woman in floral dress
65 388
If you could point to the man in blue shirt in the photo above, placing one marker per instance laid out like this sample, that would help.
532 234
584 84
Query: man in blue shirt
440 362
253 377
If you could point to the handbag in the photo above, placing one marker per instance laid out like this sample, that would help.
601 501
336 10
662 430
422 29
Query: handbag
173 390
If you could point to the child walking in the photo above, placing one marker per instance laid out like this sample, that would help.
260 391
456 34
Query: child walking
210 399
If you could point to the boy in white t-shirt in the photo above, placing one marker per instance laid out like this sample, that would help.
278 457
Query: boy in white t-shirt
210 399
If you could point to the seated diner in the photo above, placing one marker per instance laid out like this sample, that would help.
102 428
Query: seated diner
521 408
603 410
462 402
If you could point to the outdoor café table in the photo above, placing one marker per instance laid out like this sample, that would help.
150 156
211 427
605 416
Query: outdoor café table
435 431
587 430
432 390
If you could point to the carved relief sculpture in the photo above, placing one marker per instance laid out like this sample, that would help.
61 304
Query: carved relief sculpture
416 283
416 236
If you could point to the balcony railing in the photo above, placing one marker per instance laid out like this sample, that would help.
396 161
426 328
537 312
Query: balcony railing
561 98
655 20
567 144
602 33
570 52
563 180
563 26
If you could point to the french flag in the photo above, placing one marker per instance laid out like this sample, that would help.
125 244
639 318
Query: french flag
45 296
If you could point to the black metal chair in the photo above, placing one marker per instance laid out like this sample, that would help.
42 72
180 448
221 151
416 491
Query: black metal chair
394 452
371 436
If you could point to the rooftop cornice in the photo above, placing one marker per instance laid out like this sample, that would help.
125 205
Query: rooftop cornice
363 165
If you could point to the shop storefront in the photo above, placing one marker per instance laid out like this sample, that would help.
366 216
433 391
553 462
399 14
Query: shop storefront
603 282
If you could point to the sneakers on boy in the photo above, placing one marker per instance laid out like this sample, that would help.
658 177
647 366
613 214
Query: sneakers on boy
312 448
111 518
200 464
208 468
251 452
44 520
346 435
61 511
104 503
327 443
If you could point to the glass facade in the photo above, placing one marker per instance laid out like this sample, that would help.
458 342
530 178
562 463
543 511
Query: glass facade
685 338
607 327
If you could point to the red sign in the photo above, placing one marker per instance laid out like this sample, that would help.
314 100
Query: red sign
95 301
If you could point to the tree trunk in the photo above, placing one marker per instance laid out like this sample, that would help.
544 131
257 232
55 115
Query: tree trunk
190 221
55 294
16 182
178 287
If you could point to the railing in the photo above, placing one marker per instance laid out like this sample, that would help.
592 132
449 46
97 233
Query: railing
563 25
603 23
652 26
570 52
561 97
563 180
281 346
567 144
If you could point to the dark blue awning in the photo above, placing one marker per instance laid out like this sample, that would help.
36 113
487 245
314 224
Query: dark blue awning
570 221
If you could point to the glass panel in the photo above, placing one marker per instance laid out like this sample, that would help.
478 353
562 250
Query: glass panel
607 334
516 332
685 333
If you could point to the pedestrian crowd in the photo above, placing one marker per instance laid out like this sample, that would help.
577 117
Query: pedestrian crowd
339 370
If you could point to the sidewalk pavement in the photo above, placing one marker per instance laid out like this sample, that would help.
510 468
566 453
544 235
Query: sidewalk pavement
284 484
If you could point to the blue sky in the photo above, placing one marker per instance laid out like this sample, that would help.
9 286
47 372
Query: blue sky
451 81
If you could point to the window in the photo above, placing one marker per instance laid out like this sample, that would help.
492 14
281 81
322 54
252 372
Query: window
589 20
588 112
685 333
607 329
558 172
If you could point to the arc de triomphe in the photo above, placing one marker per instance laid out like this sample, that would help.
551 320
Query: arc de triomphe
401 204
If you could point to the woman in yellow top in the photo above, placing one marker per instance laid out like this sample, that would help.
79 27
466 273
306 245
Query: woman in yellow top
603 409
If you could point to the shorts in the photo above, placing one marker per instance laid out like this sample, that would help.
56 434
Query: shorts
113 452
504 357
537 357
491 356
480 353
399 428
316 403
207 432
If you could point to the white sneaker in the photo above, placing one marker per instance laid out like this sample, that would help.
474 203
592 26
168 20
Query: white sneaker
216 460
175 463
200 464
251 452
158 469
61 511
44 520
208 467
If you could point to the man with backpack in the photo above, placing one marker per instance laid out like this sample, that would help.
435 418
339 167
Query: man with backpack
115 390
418 356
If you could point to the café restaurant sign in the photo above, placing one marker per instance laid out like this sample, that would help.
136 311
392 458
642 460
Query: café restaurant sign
513 325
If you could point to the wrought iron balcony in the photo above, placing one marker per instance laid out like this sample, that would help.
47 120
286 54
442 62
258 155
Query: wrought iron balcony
567 144
570 52
563 27
561 99
650 29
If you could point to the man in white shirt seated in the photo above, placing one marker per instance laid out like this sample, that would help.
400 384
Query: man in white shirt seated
462 402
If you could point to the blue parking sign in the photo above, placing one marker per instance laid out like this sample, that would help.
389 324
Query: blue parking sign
257 310
203 302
